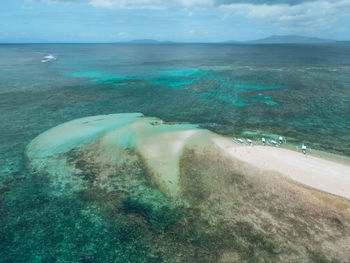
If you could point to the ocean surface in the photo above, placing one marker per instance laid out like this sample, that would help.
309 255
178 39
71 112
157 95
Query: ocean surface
301 92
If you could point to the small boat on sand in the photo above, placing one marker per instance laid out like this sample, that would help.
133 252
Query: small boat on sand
240 141
274 143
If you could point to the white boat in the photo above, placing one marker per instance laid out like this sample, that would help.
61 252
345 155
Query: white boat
274 143
240 141
48 58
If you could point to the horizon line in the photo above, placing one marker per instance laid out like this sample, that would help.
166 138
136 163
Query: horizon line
164 43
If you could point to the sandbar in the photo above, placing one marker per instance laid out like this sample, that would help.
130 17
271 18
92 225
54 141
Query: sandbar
315 172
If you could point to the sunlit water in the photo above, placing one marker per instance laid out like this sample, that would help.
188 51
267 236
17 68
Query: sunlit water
299 91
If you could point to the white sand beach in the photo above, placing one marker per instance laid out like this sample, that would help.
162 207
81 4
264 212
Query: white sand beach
319 173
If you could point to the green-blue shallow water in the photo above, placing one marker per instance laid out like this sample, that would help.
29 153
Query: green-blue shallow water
298 91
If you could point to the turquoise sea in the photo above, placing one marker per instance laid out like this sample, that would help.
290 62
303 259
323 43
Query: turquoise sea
299 91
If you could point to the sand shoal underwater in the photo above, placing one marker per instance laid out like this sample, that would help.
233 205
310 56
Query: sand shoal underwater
177 188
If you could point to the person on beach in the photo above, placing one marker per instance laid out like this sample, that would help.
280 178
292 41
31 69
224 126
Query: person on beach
249 141
303 148
263 141
280 139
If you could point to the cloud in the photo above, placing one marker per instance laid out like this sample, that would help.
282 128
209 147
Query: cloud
262 2
302 17
122 34
152 4
143 4
168 4
288 15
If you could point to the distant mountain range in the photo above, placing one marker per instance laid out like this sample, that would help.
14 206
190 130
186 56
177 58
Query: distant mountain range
289 39
275 39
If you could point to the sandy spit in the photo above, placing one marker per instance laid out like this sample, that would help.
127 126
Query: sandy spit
315 172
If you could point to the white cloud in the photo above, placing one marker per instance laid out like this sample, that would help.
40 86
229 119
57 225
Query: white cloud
306 16
287 15
152 4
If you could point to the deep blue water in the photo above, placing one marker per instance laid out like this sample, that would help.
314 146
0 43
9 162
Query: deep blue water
299 91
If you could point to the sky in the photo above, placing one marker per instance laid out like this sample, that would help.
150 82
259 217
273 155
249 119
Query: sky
95 21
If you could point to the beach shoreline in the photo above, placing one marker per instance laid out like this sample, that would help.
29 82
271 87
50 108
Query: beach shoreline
330 175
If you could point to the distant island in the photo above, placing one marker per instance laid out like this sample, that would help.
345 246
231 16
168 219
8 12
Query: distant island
274 39
289 39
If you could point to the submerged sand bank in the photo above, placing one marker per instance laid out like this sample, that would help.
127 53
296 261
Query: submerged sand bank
161 147
106 140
